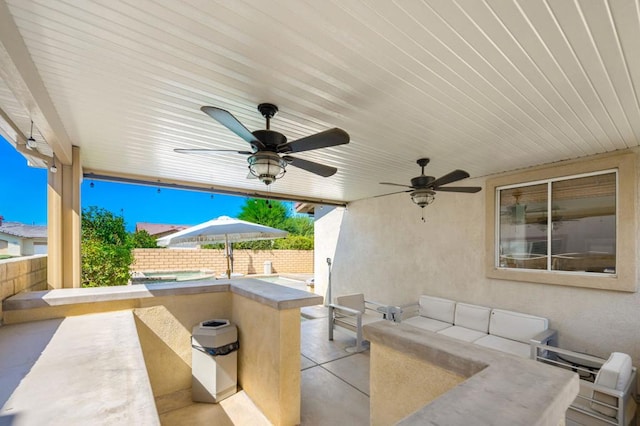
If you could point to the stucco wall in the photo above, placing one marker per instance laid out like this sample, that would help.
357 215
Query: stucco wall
383 249
22 274
415 384
244 261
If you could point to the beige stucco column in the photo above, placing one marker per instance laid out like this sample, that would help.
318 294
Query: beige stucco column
63 221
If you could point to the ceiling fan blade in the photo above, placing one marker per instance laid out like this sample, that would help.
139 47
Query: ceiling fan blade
392 193
208 151
331 137
454 176
225 118
310 166
395 184
468 189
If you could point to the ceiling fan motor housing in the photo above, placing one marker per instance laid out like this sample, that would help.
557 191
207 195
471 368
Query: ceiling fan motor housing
422 181
270 139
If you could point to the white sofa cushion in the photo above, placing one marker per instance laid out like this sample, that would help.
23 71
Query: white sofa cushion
427 323
473 316
462 333
505 345
614 374
515 325
437 308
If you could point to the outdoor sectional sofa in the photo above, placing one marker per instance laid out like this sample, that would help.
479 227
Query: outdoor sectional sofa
507 331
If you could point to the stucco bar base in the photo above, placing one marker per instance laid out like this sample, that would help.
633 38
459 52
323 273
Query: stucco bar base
267 316
422 378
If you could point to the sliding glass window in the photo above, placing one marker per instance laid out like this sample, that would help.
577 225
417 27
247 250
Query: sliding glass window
565 224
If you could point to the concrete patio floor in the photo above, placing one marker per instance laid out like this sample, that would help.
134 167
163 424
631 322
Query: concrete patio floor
335 384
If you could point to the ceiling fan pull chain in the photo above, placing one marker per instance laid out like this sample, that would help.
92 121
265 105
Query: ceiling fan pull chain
422 210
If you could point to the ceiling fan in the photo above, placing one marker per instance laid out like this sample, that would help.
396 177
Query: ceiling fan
265 160
423 188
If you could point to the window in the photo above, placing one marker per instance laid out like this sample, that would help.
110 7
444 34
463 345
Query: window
565 224
570 224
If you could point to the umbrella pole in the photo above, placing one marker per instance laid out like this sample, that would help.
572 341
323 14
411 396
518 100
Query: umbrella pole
226 252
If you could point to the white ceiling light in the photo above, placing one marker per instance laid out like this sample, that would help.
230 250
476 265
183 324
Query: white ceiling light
31 142
267 166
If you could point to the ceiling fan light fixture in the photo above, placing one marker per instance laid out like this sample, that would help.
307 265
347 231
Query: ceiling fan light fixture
31 142
423 197
53 168
267 166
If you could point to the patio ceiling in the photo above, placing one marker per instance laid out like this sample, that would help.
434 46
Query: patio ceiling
485 86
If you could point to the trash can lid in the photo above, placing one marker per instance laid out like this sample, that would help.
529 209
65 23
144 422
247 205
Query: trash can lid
214 323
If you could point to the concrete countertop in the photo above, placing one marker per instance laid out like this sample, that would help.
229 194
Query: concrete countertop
500 389
84 370
276 296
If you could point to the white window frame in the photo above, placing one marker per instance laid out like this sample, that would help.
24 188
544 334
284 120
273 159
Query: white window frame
549 183
625 278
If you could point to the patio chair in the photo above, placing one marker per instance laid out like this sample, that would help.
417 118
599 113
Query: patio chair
352 312
607 386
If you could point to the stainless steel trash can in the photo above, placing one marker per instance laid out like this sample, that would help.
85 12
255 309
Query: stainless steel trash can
214 360
267 267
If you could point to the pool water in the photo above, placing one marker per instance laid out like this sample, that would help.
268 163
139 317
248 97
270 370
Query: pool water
179 275
287 282
170 276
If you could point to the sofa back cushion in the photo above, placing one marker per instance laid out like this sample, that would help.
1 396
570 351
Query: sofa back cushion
515 325
615 374
473 316
437 308
353 301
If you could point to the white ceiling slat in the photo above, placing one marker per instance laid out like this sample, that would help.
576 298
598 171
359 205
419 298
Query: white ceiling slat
626 17
485 86
529 55
550 43
605 34
508 78
572 20
474 62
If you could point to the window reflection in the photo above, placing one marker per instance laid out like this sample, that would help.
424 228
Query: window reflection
581 233
523 227
586 224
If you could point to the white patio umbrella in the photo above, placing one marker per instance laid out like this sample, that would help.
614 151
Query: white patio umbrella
225 229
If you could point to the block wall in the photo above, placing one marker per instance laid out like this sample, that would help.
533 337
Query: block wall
20 274
244 261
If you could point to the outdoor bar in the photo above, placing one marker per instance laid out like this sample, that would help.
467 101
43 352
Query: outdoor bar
267 317
422 378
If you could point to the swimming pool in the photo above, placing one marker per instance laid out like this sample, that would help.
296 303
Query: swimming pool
154 277
287 282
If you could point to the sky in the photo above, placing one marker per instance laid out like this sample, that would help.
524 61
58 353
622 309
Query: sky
23 197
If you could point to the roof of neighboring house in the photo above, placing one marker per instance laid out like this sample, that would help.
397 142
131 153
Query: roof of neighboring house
22 230
159 229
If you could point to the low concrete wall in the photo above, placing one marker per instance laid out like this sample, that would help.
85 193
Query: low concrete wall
244 261
19 274
267 316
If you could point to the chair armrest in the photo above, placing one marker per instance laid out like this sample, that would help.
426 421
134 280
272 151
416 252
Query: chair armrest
371 302
571 353
547 337
603 389
345 309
